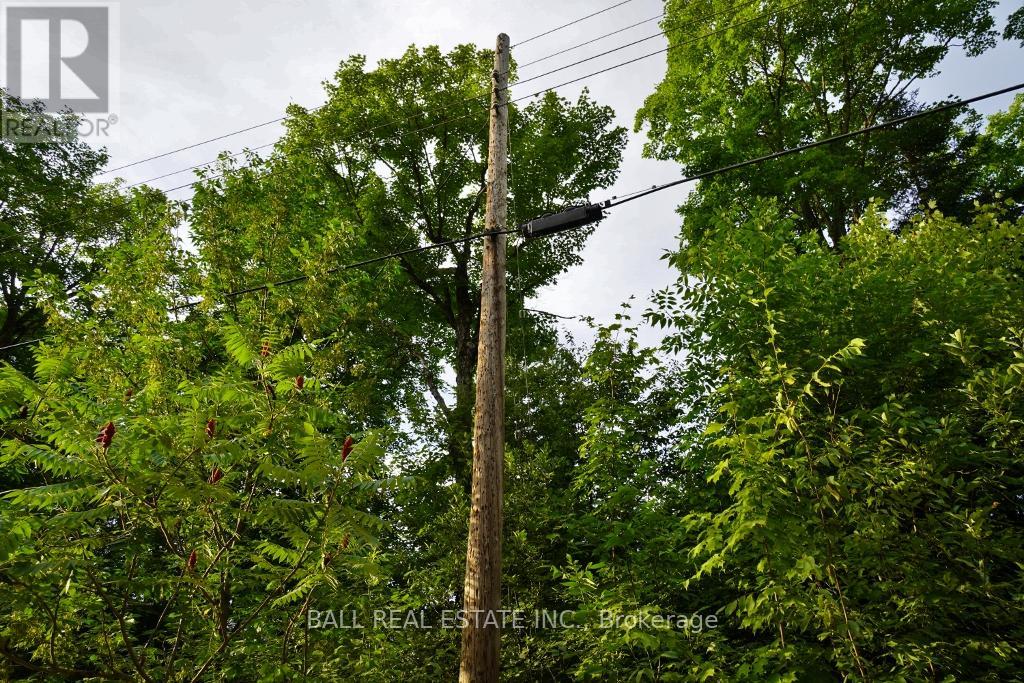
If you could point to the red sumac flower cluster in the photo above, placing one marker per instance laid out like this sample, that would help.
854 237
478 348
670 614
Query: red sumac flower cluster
106 435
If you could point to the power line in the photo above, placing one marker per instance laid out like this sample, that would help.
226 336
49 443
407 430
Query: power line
817 143
552 88
302 278
612 202
357 264
192 168
525 97
282 118
539 92
24 343
631 44
350 137
193 146
532 78
709 34
589 42
271 144
571 23
237 154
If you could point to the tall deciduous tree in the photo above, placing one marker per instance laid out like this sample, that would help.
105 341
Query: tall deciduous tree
395 159
53 219
774 75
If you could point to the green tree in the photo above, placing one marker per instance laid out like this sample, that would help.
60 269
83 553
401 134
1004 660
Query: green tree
333 194
783 74
995 168
54 221
399 152
1015 26
866 522
184 488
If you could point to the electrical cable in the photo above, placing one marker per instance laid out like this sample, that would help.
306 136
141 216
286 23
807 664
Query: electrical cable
192 168
282 118
698 20
817 143
539 92
192 146
357 264
571 23
717 31
589 42
24 343
612 202
351 137
271 144
302 278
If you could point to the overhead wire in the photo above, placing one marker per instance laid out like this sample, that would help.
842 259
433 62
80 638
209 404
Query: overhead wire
817 143
703 36
301 278
192 146
571 23
552 88
521 81
358 264
563 51
659 34
518 99
271 144
279 119
24 343
344 139
615 202
201 165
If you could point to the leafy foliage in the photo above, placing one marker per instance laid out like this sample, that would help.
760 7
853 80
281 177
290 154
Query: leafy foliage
1015 26
218 508
54 221
396 159
817 475
867 523
774 75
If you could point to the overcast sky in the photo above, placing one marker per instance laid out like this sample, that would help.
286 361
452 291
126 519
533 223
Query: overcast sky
194 69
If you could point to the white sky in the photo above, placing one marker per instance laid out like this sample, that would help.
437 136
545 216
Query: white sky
194 69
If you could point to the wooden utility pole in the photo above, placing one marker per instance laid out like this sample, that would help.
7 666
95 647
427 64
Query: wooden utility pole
481 637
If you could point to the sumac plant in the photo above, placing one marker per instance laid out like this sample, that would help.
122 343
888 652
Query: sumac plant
190 545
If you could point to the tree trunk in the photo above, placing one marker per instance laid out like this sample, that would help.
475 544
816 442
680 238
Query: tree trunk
461 426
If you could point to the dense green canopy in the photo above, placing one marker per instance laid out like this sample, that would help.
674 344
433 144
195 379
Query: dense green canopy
818 475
